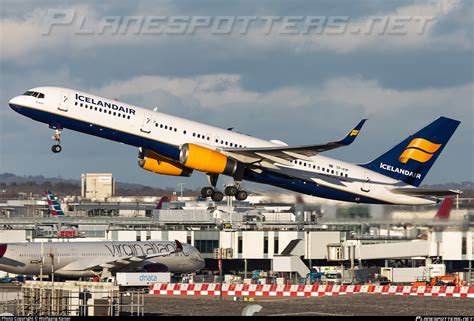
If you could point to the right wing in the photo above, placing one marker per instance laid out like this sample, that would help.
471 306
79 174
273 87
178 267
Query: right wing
285 154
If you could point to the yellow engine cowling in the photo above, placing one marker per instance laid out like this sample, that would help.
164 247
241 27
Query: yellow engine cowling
156 163
206 160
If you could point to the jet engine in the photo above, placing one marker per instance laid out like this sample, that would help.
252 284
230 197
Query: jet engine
158 164
206 160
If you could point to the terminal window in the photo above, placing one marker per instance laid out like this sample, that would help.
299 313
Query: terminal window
464 246
206 246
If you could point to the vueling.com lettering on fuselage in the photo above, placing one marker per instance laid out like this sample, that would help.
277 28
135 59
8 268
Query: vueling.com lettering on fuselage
105 104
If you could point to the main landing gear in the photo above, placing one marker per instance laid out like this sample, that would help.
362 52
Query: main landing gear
216 196
56 148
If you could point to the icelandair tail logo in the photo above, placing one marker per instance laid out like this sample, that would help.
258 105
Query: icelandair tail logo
402 171
354 132
420 150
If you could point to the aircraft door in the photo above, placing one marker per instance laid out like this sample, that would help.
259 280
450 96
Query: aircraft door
64 102
146 126
366 185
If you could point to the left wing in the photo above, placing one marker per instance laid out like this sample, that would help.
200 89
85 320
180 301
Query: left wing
108 263
284 154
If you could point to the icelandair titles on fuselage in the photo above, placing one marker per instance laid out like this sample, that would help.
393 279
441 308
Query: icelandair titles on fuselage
400 171
101 103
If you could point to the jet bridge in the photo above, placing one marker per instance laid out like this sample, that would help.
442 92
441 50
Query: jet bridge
376 251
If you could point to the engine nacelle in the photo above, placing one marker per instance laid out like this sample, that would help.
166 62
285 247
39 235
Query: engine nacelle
206 160
156 163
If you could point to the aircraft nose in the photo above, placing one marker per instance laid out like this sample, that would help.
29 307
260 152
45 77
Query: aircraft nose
14 103
201 261
3 249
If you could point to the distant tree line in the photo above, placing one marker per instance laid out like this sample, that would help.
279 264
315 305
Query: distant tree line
14 190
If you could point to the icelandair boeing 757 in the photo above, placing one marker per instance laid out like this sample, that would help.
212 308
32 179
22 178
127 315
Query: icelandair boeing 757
83 259
170 145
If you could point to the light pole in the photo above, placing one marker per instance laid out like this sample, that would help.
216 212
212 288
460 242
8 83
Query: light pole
181 186
220 277
229 206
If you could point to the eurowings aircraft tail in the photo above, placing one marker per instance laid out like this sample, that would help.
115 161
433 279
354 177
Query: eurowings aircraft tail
410 160
53 205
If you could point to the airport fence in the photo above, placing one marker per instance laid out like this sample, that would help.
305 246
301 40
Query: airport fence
42 298
213 289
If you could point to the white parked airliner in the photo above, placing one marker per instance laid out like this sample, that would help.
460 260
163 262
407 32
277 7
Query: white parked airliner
83 259
171 145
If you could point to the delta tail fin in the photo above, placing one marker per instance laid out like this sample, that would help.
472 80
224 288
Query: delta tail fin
410 160
53 205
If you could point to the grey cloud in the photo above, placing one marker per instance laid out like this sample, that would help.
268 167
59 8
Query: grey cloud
261 69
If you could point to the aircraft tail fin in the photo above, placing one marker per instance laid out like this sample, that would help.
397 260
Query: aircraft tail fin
445 209
410 160
53 205
164 199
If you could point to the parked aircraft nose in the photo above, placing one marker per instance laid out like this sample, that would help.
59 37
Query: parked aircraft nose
3 249
14 103
202 263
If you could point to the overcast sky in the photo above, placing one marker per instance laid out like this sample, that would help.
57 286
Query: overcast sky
300 88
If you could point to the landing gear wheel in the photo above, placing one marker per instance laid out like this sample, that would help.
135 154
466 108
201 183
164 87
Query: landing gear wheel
231 191
207 192
56 148
241 195
217 196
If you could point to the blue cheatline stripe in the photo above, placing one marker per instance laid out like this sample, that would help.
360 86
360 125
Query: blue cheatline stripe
306 187
162 148
171 151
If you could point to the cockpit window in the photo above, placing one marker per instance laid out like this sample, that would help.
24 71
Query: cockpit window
34 94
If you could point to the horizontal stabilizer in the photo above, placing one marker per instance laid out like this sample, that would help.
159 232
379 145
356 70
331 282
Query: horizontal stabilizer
426 192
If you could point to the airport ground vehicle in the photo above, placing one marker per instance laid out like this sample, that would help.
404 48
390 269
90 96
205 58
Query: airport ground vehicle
141 279
440 280
332 277
7 279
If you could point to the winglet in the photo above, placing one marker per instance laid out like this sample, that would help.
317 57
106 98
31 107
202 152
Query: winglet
351 136
179 246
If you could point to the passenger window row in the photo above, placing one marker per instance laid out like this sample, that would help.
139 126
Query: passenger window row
200 136
229 144
323 169
104 110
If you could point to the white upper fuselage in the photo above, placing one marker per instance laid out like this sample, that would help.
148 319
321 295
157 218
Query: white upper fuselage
138 126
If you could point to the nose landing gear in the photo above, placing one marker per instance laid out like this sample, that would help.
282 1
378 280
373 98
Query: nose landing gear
56 148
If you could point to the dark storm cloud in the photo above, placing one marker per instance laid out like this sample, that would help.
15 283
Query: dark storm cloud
262 69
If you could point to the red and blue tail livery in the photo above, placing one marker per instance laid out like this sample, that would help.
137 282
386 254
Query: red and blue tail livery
54 208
